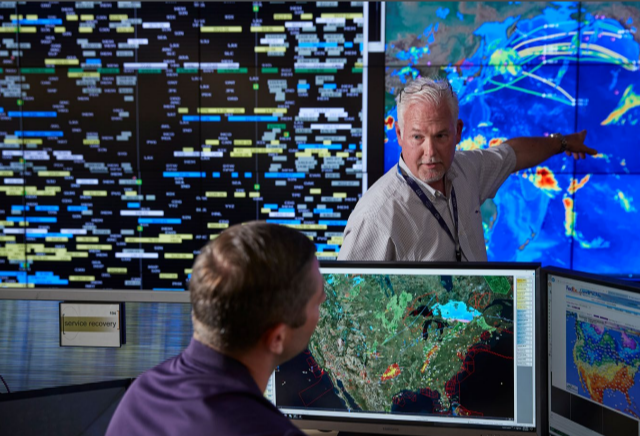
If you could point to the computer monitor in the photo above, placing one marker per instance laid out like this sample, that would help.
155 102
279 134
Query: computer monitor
420 348
594 355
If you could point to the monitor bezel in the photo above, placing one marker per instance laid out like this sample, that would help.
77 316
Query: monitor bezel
385 426
598 280
601 280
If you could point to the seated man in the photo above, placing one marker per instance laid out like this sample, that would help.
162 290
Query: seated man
256 292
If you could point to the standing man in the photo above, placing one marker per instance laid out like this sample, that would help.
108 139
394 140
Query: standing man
256 292
427 207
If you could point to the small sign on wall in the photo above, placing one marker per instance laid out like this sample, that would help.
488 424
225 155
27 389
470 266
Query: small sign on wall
91 324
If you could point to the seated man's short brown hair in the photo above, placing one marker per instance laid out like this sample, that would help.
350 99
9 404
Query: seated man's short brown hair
247 280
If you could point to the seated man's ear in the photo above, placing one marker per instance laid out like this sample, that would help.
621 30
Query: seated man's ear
274 339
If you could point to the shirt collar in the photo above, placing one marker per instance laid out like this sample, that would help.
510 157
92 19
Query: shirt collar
449 175
207 357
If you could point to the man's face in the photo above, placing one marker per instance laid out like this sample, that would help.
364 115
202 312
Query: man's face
300 336
428 139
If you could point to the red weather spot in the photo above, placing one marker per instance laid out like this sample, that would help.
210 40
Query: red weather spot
568 202
576 185
389 122
545 179
463 411
495 142
485 335
429 393
479 300
392 371
400 400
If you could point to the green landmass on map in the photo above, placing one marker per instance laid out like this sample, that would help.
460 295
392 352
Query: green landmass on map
370 335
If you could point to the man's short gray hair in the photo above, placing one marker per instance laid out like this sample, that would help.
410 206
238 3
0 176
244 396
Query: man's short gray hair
427 91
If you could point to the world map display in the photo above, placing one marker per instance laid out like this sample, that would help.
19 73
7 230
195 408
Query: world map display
603 363
532 69
428 345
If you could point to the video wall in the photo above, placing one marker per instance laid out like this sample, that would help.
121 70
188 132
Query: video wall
532 69
134 132
131 133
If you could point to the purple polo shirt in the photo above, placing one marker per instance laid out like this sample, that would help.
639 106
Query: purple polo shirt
198 392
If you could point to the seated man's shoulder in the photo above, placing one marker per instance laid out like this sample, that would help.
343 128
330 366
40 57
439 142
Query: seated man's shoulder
242 414
193 405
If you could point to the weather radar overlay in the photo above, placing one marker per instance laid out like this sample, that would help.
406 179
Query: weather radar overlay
532 69
441 345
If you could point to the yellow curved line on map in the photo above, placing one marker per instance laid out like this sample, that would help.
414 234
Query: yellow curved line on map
550 83
628 101
544 49
542 38
608 52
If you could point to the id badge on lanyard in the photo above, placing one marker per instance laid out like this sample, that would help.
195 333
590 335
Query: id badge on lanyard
429 205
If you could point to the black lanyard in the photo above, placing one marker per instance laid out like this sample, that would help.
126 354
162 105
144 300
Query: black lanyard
429 205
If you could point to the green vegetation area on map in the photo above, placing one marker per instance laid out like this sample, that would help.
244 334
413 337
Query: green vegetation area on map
380 335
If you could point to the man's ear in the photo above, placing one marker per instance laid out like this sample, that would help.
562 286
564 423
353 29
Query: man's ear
398 132
274 339
459 131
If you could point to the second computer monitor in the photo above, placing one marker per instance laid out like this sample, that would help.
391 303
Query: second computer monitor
594 355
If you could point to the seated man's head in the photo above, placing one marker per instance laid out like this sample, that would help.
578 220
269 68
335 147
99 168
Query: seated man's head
257 284
428 127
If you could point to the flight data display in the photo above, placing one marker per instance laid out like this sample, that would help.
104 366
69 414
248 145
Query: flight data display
594 338
533 69
134 132
438 346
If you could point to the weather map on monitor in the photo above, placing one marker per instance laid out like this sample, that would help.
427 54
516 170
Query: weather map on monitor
423 345
532 69
594 349
594 355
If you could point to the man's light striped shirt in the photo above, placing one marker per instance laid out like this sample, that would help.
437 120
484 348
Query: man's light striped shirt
391 223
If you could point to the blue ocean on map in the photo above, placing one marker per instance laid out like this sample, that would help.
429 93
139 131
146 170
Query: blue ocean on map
455 310
532 69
